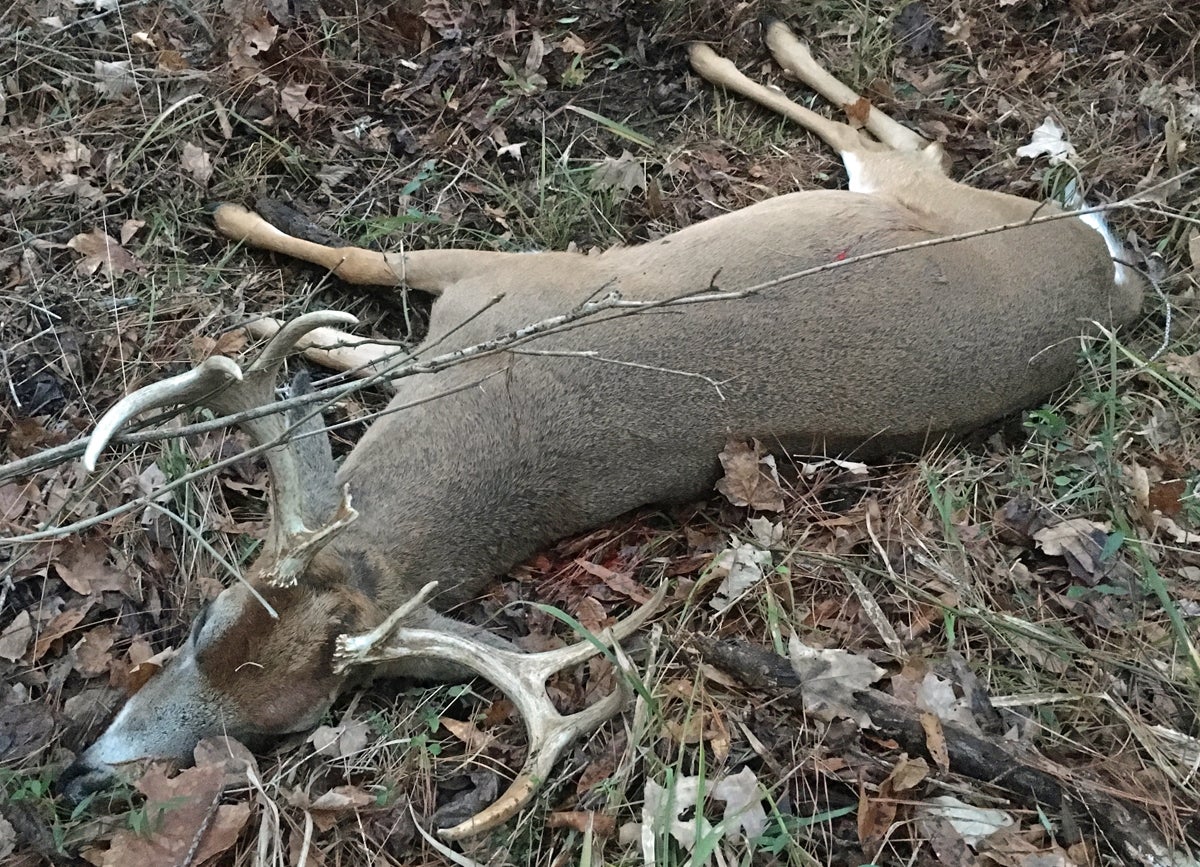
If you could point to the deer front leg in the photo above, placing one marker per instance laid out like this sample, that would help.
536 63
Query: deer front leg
334 349
429 271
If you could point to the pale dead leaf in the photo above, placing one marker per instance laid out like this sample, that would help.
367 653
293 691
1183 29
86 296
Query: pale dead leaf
829 679
129 228
765 532
15 639
1048 139
572 44
294 99
346 739
662 809
750 477
114 79
101 252
1186 366
342 799
1194 252
196 162
744 814
625 173
8 839
973 823
936 694
741 566
1080 542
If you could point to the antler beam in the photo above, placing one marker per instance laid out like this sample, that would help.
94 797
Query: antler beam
223 387
520 676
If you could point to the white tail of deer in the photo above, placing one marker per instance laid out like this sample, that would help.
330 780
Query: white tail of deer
513 449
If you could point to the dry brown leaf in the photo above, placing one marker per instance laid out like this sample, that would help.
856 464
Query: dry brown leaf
331 807
1194 252
92 656
59 625
858 112
875 817
84 568
15 639
935 739
907 774
229 753
591 614
750 476
475 738
599 824
186 809
572 44
621 582
142 670
102 253
228 344
1185 366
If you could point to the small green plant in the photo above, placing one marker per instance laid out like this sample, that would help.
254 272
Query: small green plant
575 74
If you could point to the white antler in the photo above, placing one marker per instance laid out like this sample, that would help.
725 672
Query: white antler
219 384
520 676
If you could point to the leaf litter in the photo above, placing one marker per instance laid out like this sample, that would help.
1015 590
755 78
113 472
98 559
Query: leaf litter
266 69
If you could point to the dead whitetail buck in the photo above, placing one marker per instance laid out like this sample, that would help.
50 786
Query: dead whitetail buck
513 449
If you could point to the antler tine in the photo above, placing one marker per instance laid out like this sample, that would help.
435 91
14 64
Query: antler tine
520 676
194 386
223 387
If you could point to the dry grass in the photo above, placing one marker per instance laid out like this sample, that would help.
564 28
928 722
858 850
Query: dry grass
1089 667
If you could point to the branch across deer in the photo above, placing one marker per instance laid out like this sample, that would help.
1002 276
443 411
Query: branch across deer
857 322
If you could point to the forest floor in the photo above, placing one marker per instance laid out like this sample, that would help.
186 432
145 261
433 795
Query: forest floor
1031 596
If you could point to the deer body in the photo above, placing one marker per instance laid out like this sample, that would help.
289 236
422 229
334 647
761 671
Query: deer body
511 450
867 359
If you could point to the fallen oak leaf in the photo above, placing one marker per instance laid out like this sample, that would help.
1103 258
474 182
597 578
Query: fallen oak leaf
187 821
751 478
102 253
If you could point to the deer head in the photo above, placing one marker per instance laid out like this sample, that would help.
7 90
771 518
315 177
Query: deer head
268 656
257 660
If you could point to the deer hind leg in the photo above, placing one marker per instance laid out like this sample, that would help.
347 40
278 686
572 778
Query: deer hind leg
429 271
794 56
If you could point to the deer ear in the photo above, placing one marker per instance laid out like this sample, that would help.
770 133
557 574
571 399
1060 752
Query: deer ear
314 460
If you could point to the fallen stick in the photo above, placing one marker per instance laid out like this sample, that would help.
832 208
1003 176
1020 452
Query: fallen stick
1032 780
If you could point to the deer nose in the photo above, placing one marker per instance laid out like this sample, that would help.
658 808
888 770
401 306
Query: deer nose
80 780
